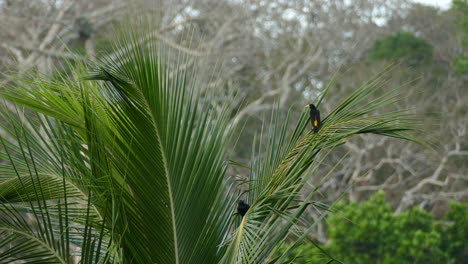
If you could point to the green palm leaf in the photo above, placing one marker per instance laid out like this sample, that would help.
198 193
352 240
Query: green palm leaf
43 203
153 157
277 178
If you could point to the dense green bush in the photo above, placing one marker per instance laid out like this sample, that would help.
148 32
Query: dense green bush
416 239
369 232
402 46
455 236
361 232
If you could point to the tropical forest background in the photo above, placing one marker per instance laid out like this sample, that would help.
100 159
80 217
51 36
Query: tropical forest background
376 199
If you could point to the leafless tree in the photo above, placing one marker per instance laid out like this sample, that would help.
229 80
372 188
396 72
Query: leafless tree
35 34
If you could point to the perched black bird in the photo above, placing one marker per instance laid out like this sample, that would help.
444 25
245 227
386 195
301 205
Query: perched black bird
242 208
314 117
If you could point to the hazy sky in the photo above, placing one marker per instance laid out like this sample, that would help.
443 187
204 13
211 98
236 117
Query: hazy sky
444 4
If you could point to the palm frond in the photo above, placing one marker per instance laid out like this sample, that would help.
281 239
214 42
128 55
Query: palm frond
43 206
148 157
167 139
289 161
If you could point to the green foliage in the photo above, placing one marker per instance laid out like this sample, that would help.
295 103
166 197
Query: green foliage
402 46
369 232
416 237
460 63
456 234
362 233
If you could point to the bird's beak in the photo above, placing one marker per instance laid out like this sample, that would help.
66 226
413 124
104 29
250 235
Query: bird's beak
306 106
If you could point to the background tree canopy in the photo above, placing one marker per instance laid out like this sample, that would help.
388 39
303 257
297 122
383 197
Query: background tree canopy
402 45
369 232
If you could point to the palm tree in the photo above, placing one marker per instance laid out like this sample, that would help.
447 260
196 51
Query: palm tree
128 164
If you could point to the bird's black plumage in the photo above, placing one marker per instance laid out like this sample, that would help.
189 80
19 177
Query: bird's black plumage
314 118
242 208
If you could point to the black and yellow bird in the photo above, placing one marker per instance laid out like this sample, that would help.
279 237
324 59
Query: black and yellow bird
242 208
314 117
